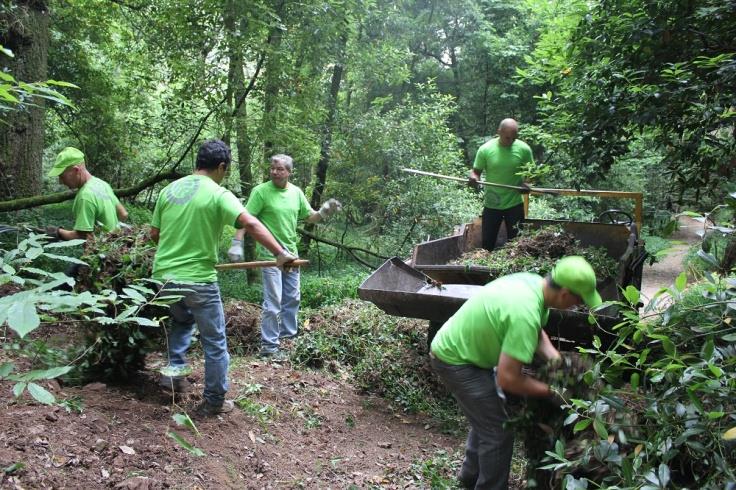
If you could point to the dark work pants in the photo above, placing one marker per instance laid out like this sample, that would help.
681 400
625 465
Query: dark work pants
489 445
492 219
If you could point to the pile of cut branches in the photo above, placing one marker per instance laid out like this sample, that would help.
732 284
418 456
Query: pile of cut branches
116 259
537 251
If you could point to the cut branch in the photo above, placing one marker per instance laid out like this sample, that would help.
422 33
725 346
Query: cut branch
347 248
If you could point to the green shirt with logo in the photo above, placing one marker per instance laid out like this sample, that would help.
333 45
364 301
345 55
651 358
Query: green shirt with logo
500 165
191 214
279 210
506 316
94 206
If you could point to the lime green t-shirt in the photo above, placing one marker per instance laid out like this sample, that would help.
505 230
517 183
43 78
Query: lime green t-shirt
191 214
279 210
505 316
500 164
95 205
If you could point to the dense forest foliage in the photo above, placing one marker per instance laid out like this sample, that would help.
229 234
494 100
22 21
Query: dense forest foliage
626 95
629 95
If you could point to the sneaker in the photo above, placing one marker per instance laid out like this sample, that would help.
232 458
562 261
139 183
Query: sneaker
267 353
273 355
207 410
175 384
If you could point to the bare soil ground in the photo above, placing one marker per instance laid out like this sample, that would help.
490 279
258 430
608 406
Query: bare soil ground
302 430
291 429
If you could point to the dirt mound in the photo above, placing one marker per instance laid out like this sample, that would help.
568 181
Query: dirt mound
243 326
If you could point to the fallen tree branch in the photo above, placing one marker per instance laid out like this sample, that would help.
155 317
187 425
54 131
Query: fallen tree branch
347 248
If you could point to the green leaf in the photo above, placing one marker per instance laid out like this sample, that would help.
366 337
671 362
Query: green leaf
6 368
634 381
668 346
663 473
183 419
715 415
582 425
18 389
631 294
600 428
41 394
13 468
146 322
41 374
65 243
570 419
134 295
64 258
729 338
681 282
710 259
61 84
22 317
185 444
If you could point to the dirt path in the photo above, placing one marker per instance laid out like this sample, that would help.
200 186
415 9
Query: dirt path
293 429
663 273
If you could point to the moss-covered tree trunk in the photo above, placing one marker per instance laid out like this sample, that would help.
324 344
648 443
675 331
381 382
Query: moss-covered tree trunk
25 31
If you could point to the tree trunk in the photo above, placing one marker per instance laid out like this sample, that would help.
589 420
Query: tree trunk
22 134
324 152
271 88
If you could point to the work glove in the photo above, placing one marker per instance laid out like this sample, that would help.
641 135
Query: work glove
473 183
283 259
235 252
330 207
53 232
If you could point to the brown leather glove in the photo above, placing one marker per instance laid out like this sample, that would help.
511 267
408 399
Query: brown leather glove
53 232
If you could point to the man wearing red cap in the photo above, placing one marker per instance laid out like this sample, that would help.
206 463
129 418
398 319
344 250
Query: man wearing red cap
498 330
95 204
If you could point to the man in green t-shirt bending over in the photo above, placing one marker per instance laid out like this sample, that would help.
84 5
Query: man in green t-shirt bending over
279 204
501 158
95 204
500 328
187 223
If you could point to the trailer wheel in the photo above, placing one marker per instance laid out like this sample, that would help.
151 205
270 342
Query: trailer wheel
612 215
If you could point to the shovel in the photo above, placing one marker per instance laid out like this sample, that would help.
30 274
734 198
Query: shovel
260 263
482 182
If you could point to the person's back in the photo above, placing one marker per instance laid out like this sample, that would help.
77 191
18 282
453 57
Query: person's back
191 214
95 204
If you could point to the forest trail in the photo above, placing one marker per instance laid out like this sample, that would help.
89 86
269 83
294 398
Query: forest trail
663 273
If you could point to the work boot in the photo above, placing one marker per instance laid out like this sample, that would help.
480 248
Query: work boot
206 409
175 384
275 355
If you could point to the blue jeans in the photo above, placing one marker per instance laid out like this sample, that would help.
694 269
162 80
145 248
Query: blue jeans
281 299
490 445
203 306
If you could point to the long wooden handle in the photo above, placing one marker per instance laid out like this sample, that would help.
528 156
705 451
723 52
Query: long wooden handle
259 263
482 182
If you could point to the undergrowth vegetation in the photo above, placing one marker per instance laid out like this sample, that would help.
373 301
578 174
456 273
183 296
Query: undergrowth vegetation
385 355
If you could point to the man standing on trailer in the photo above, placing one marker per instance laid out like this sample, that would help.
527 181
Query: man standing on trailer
501 158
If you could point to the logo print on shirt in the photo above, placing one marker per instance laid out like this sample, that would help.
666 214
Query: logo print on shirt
98 189
182 191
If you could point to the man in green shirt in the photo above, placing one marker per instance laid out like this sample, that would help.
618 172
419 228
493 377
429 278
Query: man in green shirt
95 204
187 223
279 204
501 158
479 353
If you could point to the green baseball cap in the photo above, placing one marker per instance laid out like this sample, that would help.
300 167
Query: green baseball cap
66 158
576 274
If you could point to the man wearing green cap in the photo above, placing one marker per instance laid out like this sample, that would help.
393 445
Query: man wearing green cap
479 353
95 203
